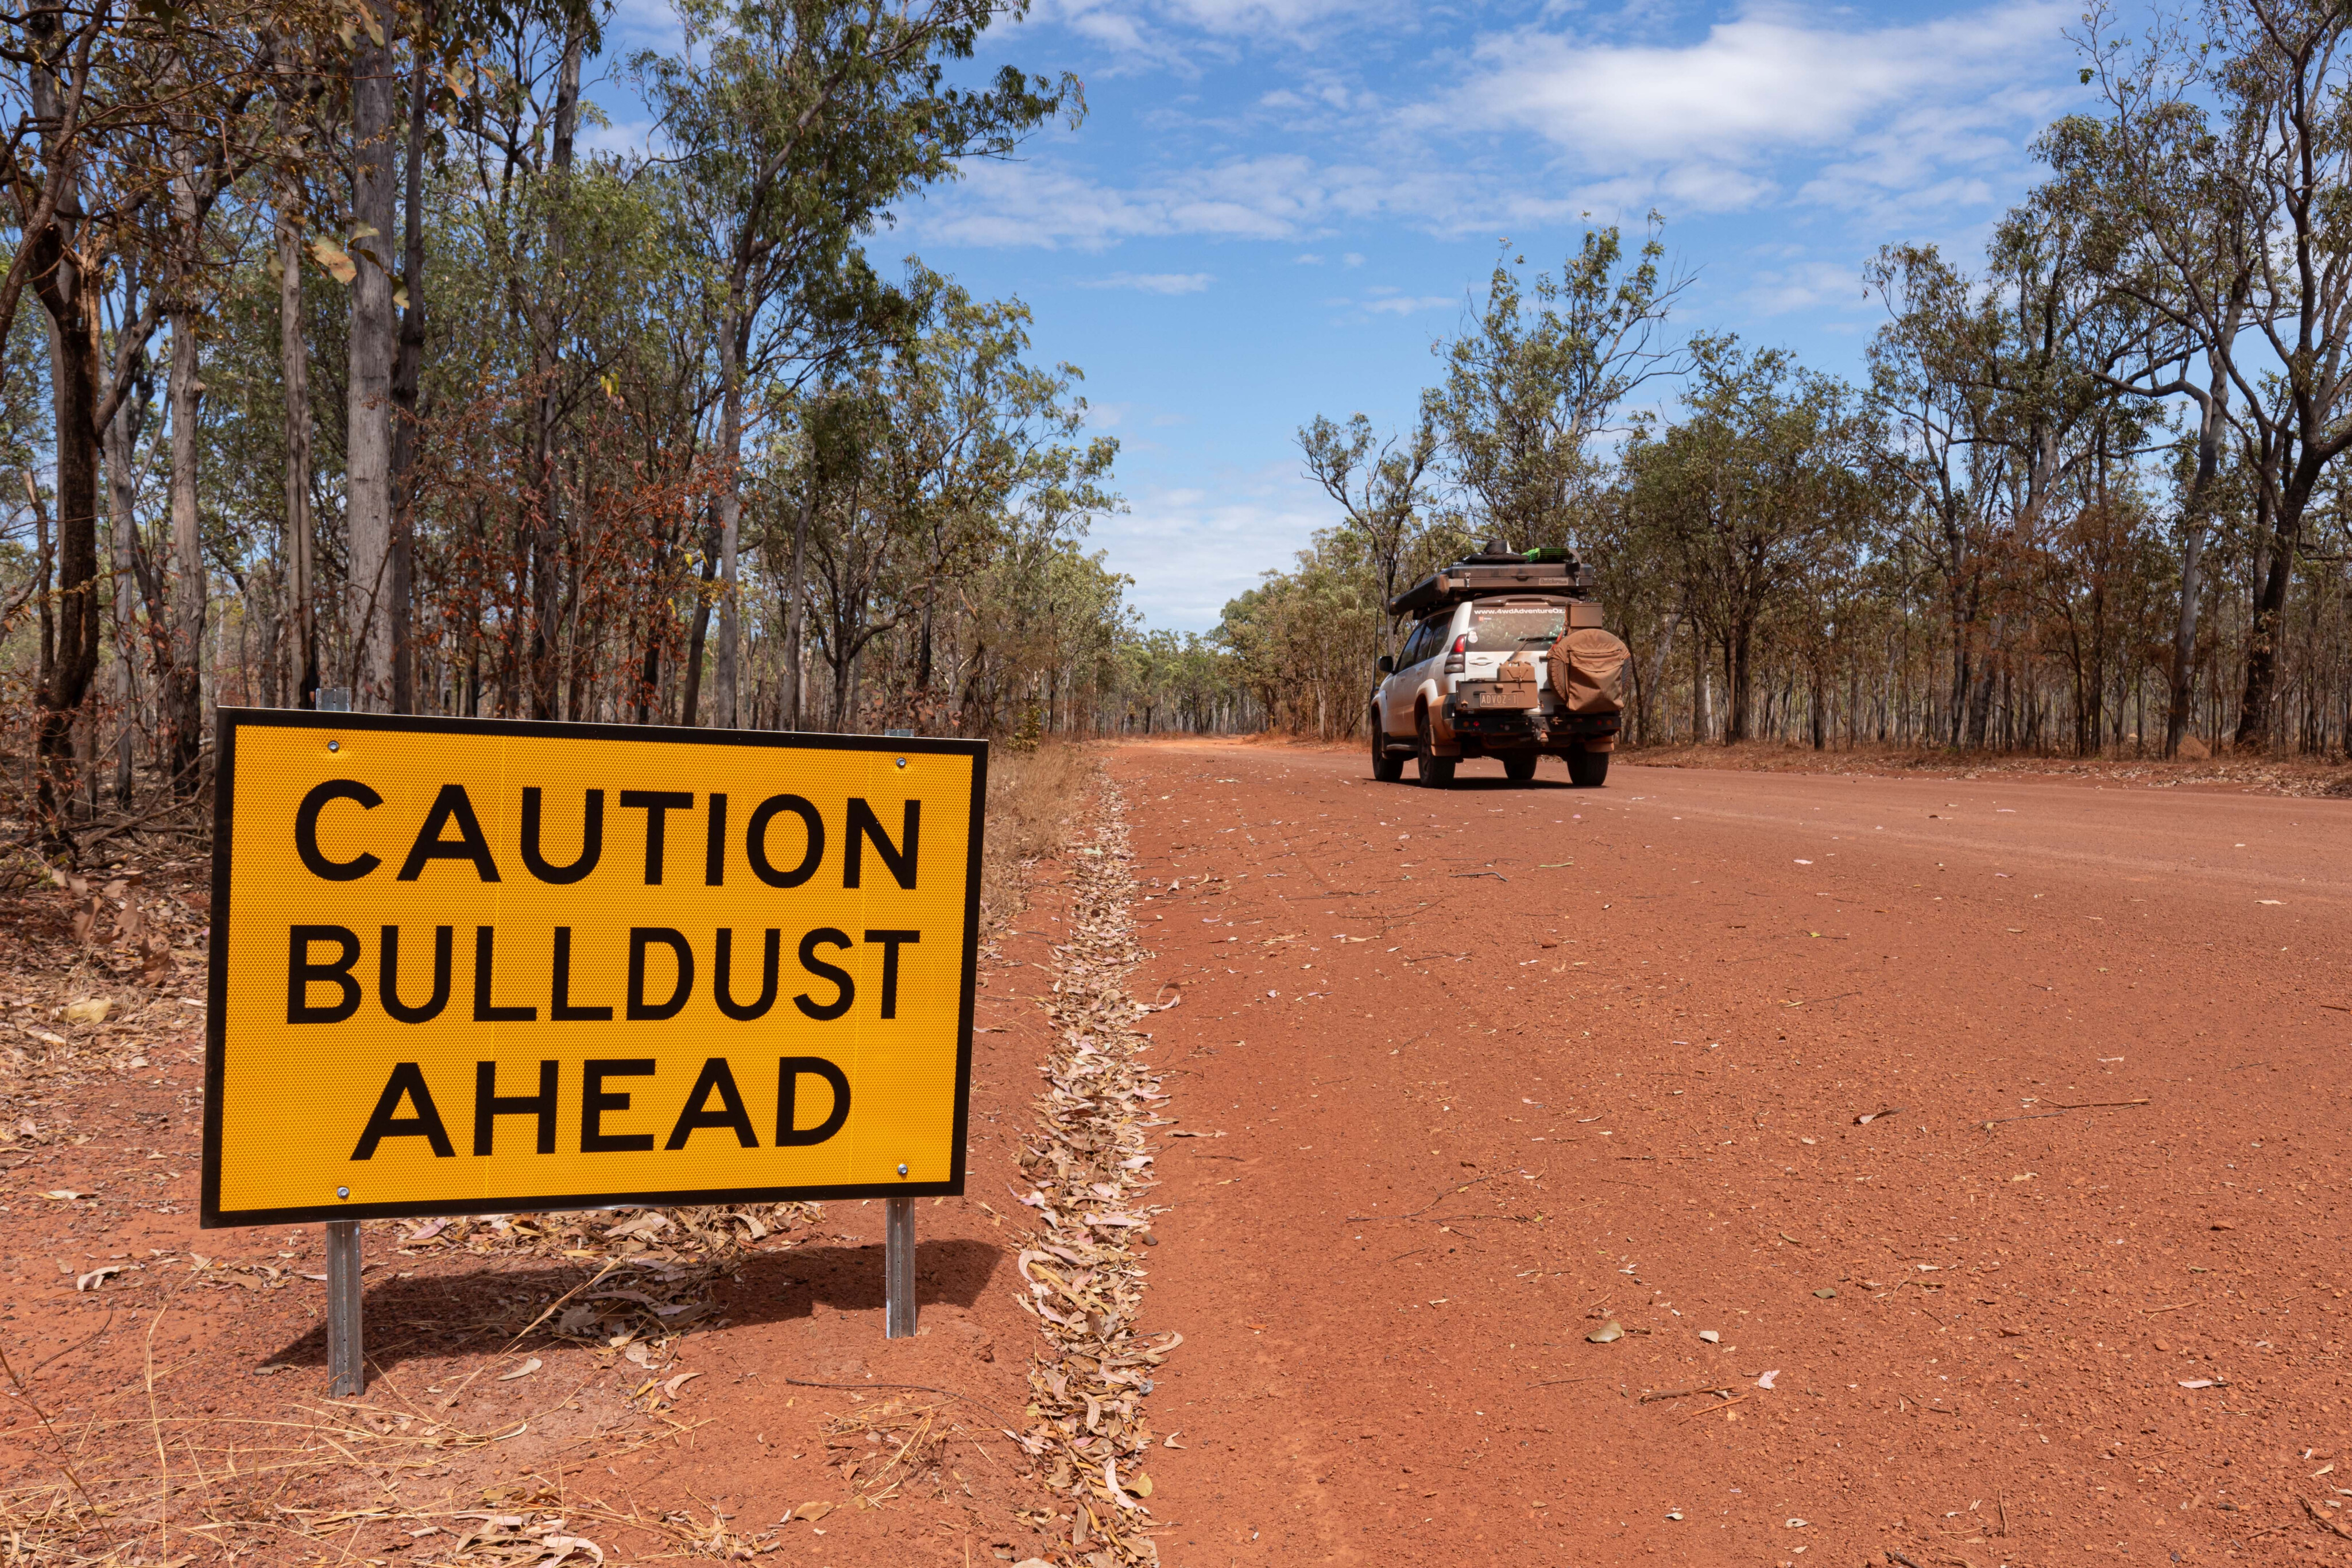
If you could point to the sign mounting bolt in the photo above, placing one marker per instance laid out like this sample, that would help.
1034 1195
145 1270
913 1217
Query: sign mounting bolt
342 1192
338 746
902 762
902 1170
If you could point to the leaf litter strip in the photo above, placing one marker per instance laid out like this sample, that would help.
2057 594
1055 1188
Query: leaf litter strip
1087 1167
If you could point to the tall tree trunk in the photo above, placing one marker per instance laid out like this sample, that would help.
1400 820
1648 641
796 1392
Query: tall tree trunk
546 536
796 602
121 440
69 293
2194 522
45 567
698 636
294 375
731 341
367 484
2262 637
408 366
1737 676
923 641
184 694
1651 693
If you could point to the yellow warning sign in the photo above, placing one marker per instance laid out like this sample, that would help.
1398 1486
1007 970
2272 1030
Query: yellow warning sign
466 965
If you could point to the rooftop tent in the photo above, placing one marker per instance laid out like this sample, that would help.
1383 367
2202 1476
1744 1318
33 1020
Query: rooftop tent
1493 571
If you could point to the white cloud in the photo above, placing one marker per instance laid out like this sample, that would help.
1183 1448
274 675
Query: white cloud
1191 548
1154 32
1406 305
1274 196
1543 124
1154 282
1703 122
1775 291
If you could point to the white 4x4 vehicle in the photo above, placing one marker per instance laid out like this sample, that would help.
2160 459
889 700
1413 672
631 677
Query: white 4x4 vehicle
1490 670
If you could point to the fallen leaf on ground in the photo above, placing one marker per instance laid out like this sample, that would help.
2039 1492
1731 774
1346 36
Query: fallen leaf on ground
525 1370
1766 1381
1609 1333
90 1010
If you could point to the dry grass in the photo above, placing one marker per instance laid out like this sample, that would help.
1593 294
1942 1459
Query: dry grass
1034 797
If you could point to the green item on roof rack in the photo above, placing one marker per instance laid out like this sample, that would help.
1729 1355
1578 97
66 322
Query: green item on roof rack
1550 554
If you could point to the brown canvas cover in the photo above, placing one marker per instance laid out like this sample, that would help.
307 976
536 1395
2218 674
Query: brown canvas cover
1587 671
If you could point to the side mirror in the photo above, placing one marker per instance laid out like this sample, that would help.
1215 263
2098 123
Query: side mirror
1385 664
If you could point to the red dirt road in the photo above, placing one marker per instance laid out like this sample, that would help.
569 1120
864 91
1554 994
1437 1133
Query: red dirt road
1470 1074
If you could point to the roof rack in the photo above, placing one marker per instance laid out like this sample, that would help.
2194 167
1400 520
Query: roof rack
1490 572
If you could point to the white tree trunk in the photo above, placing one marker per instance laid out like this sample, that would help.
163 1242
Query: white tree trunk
367 484
294 374
730 521
187 630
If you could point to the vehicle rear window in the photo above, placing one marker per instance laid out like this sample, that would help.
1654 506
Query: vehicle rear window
1517 625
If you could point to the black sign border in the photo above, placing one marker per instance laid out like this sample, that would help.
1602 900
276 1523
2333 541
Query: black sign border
231 719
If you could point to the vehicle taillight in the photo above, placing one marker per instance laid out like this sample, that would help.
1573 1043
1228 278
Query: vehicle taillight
1461 643
1454 661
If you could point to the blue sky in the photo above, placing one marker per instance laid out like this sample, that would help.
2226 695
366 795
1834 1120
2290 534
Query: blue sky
1275 206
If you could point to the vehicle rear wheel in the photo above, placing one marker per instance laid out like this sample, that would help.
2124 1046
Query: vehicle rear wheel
1519 770
1432 771
1588 770
1387 765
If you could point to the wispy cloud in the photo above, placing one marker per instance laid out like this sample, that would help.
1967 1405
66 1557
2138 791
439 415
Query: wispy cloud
1191 548
1154 282
1273 196
1541 124
1804 286
1708 120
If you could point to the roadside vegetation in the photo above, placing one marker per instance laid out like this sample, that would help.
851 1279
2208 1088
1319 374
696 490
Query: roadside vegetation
2087 500
336 354
338 357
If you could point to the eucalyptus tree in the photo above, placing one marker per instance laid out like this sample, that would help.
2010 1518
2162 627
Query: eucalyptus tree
115 116
2178 243
1541 370
1935 411
1768 467
2227 147
971 424
798 123
1380 491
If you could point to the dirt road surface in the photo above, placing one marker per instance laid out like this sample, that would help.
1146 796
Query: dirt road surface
1995 1128
1459 1079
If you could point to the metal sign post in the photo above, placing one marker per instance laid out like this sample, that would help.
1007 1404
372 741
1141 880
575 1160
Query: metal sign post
899 1233
898 1269
346 1362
